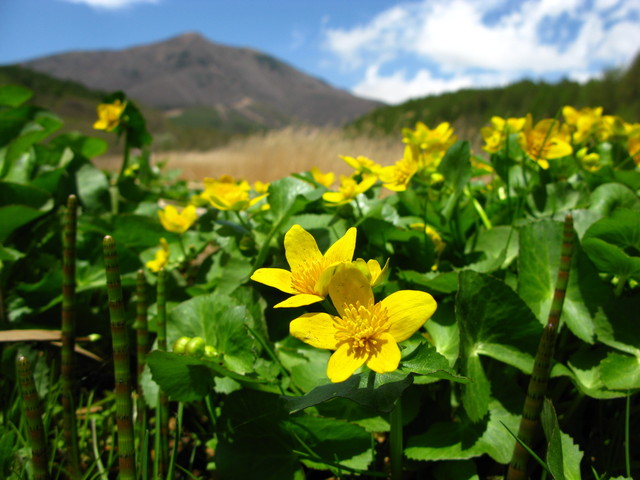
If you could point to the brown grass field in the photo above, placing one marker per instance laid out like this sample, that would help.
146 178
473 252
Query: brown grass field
275 154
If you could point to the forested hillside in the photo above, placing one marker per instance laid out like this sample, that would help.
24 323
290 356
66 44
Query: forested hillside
618 92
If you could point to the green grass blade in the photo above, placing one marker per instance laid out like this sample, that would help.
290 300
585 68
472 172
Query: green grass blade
530 421
33 416
124 403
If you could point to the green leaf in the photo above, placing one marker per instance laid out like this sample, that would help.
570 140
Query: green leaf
19 205
586 367
222 322
379 392
456 169
563 456
466 439
14 95
182 378
249 423
425 360
610 196
620 372
538 266
490 314
613 244
499 247
93 188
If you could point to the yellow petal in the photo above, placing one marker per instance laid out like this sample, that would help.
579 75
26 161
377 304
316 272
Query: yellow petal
299 301
348 286
407 311
316 329
342 250
343 363
274 277
387 355
300 247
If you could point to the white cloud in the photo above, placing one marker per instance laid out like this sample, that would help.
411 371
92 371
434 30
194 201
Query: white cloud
449 44
110 4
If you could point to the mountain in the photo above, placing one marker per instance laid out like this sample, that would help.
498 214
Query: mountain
198 82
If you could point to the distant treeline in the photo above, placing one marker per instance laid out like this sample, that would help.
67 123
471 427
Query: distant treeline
618 92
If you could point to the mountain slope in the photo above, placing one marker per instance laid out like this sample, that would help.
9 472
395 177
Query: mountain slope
189 72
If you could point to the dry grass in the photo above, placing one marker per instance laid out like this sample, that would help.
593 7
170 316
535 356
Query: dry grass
276 154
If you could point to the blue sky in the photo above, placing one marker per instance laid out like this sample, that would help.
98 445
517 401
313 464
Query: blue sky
390 50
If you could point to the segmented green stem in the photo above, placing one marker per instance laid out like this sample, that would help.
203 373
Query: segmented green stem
530 421
142 337
162 416
68 335
33 414
124 403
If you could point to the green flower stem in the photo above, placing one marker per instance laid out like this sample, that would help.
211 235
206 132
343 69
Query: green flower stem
124 403
395 441
68 336
142 340
530 421
162 411
33 415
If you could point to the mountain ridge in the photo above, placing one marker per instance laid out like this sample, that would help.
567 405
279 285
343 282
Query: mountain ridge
190 71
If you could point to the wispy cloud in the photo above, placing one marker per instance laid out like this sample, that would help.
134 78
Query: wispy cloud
110 4
431 46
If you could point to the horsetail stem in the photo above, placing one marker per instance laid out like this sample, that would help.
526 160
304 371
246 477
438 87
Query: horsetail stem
162 416
530 421
33 414
68 335
142 338
124 404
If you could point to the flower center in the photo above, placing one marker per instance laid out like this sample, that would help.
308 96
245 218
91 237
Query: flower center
361 327
304 279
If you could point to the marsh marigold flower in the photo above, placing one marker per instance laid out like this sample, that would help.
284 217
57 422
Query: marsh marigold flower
349 189
227 194
109 115
177 221
397 177
362 165
308 280
324 179
162 257
363 332
545 141
496 133
583 123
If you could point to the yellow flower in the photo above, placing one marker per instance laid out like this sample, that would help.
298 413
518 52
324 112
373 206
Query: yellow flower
364 332
227 194
109 115
397 177
324 179
349 189
633 147
495 135
308 280
177 221
260 187
611 126
372 271
583 122
431 141
362 165
544 141
162 257
589 161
